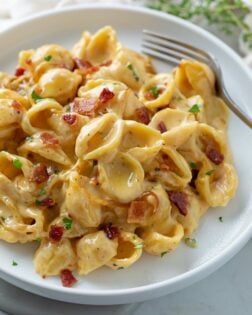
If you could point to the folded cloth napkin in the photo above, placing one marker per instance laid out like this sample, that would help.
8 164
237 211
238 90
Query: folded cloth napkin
15 9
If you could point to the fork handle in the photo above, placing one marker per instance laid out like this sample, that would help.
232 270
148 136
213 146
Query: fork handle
237 111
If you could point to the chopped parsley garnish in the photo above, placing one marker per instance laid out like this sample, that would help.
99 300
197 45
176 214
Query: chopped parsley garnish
209 173
29 139
17 163
131 68
14 263
163 253
194 109
157 169
38 239
139 246
191 242
3 219
42 192
120 268
48 58
154 91
67 223
115 265
221 219
36 97
193 165
38 202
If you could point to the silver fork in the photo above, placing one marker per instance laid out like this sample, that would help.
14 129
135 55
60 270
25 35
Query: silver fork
172 51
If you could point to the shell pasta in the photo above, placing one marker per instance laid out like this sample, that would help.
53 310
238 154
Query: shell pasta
102 159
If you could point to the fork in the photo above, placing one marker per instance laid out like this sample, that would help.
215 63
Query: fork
172 51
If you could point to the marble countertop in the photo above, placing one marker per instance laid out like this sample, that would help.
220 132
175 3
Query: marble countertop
226 292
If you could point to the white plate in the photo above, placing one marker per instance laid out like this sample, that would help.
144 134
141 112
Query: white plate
217 242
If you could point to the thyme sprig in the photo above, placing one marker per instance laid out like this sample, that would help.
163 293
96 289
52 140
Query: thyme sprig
227 15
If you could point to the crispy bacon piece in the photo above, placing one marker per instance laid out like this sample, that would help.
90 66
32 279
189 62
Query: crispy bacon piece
19 72
214 155
136 211
85 106
69 118
39 174
143 115
49 139
67 278
47 202
180 200
82 64
139 208
17 106
92 70
162 127
168 164
56 232
149 96
106 95
111 231
106 63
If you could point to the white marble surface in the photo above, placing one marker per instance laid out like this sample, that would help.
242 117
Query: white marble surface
226 292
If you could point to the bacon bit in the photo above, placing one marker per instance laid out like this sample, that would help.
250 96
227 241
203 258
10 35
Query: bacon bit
28 61
19 72
56 232
214 155
106 63
136 211
168 164
92 70
111 232
162 127
40 174
195 173
17 106
67 278
180 200
82 64
47 202
62 65
106 95
70 118
149 96
49 139
143 115
139 207
85 106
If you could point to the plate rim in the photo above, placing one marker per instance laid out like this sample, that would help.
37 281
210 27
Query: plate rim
188 277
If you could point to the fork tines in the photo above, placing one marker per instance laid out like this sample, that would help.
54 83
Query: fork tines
171 50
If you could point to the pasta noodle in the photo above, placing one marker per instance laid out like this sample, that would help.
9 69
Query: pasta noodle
102 159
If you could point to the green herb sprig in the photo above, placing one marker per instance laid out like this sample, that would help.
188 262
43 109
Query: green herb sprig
227 15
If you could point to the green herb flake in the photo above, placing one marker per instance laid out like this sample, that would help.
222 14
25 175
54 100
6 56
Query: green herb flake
157 169
37 202
38 239
42 192
139 246
221 219
3 219
29 139
154 91
193 165
120 268
115 265
36 97
191 242
14 263
209 173
194 109
48 58
67 223
17 163
131 68
163 254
